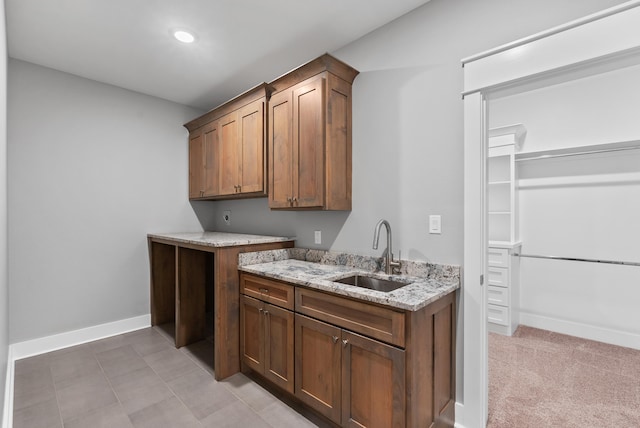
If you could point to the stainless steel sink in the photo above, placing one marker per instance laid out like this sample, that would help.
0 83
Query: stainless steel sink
372 283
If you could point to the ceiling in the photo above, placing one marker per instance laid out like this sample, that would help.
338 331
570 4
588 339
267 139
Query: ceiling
240 43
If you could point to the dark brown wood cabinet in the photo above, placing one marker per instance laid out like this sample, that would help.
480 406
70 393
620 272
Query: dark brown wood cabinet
203 162
373 383
318 377
310 137
357 363
196 164
227 149
353 380
267 335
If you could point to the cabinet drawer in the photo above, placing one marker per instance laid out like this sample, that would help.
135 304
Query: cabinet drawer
498 295
498 314
498 276
498 257
267 290
371 320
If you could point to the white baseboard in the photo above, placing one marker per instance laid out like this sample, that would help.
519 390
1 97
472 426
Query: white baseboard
7 411
585 331
43 345
459 415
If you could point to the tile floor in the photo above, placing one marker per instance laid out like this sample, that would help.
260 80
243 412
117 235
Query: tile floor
140 379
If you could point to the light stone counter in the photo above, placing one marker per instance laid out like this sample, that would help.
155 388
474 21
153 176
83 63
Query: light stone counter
319 269
217 239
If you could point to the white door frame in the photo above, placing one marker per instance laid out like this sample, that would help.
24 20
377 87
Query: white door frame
600 42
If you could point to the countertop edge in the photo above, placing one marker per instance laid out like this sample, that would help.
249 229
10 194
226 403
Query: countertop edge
325 282
218 239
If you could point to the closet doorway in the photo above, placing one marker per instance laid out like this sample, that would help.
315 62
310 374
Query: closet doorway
605 45
563 203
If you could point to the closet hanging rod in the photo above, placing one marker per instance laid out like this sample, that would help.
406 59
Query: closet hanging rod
585 152
576 259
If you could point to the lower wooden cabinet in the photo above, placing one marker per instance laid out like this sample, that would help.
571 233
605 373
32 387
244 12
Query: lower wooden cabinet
351 379
318 376
266 341
358 364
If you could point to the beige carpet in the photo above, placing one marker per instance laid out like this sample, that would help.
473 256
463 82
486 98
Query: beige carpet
538 378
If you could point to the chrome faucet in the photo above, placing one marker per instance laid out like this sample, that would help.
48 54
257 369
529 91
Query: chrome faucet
390 264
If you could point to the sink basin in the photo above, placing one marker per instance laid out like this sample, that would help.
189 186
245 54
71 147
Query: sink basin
372 283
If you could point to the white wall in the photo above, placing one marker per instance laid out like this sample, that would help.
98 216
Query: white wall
4 288
92 169
582 206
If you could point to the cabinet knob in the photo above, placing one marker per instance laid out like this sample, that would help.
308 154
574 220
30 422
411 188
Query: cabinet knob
289 199
345 342
260 310
266 313
239 188
335 339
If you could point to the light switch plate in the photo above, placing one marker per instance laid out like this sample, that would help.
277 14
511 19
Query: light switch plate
317 237
226 216
435 224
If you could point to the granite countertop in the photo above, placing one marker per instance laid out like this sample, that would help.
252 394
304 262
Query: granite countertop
218 239
319 269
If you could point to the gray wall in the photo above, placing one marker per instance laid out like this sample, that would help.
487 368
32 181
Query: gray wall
408 127
4 288
92 169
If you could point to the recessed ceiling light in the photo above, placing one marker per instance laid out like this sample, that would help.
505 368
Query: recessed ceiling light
184 36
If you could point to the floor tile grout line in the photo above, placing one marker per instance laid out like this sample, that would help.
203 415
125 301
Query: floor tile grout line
55 391
165 382
104 373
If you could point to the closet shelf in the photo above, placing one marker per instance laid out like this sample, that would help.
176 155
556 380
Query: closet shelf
579 150
495 183
505 244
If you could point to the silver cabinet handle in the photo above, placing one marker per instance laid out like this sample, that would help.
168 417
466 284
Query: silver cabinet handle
345 342
260 310
335 339
266 313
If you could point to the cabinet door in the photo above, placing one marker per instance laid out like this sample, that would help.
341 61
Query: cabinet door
308 147
196 165
317 367
280 150
211 161
252 333
230 154
278 355
373 385
251 140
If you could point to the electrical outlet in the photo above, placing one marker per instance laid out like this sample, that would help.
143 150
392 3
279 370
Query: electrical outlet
318 237
435 224
226 216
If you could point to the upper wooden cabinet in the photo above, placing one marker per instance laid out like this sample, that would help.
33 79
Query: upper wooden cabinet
227 149
309 137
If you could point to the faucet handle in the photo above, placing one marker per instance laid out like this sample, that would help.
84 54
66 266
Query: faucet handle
396 265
